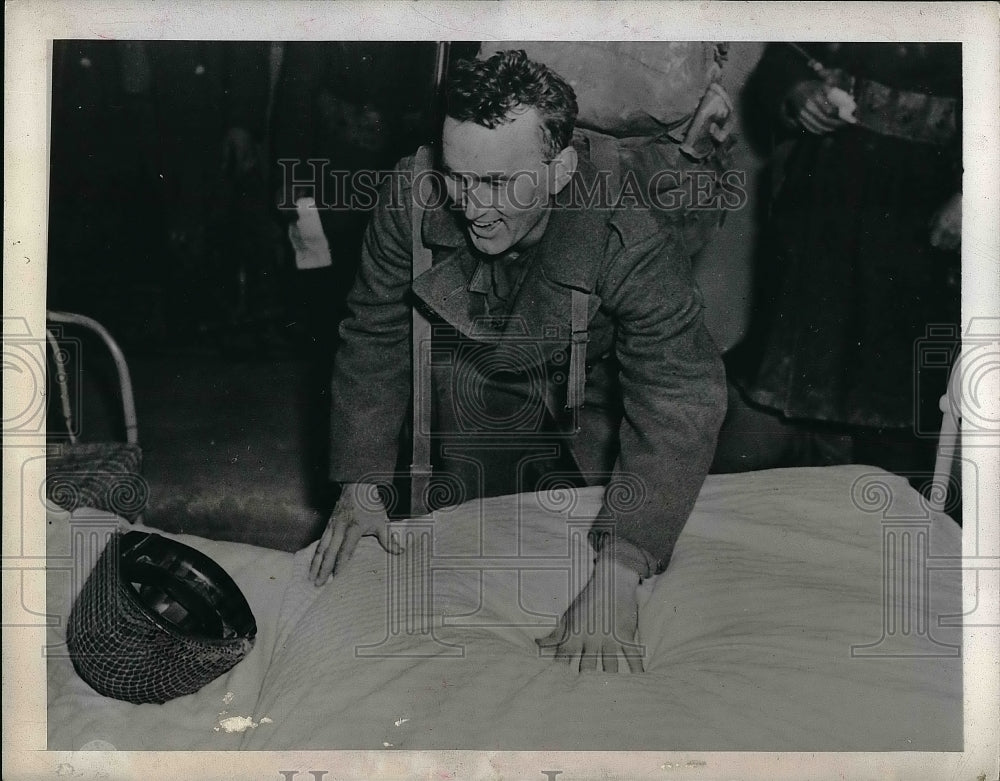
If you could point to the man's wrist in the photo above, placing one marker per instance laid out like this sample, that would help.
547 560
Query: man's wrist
624 554
361 494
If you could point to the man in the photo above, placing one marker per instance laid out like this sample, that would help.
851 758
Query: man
514 254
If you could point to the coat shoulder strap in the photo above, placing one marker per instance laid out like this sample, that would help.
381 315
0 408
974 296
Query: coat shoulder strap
579 336
420 463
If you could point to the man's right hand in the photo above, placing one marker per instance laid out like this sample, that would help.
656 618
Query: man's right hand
359 512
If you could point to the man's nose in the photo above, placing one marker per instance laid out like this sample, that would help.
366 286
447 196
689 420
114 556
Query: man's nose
475 203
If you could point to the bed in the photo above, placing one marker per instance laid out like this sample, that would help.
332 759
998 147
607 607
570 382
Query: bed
804 610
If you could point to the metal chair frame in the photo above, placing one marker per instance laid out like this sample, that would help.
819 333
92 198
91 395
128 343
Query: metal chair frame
124 378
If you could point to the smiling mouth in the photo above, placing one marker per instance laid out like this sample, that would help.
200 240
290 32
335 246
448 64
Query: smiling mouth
485 226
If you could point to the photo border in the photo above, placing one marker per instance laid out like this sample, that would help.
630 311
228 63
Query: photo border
30 29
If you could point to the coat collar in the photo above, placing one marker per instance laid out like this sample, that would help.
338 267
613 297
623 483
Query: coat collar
566 251
567 257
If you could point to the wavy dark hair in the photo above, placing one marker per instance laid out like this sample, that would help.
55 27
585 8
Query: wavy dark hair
486 91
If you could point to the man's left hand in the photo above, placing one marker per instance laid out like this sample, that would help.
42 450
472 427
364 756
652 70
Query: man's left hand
601 621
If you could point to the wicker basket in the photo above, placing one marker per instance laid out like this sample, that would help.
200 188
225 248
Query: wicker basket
156 620
103 475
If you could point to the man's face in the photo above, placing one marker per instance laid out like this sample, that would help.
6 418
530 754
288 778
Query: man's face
499 179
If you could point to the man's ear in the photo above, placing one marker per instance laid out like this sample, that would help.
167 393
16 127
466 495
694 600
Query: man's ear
561 169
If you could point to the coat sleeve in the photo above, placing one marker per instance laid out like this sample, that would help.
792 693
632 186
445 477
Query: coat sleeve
371 374
673 395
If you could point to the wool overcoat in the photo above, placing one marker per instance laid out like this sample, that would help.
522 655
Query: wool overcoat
655 383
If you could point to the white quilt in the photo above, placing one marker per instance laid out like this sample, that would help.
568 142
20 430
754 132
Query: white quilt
748 635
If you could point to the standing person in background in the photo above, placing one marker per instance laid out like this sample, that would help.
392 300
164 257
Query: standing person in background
247 231
865 224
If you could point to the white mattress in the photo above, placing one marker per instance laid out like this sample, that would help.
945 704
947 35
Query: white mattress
748 636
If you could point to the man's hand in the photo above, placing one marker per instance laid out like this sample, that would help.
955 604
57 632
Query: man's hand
602 620
809 106
359 512
946 225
